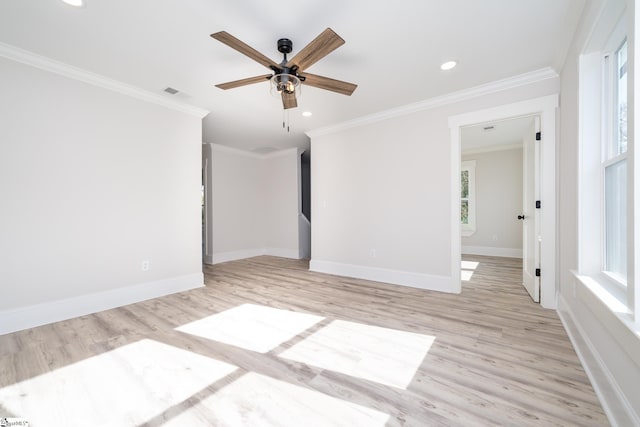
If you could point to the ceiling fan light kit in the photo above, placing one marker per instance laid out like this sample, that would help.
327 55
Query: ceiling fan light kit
289 75
287 83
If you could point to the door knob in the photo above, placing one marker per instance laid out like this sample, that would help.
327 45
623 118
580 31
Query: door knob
520 216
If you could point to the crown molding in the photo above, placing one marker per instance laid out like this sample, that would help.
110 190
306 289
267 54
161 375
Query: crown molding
240 152
227 149
29 58
439 101
294 150
492 148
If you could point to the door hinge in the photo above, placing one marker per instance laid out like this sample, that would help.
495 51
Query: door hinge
538 204
538 136
537 272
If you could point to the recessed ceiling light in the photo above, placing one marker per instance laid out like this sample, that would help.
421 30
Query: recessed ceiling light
448 65
307 114
76 3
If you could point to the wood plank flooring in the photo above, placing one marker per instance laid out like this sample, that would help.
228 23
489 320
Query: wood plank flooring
268 343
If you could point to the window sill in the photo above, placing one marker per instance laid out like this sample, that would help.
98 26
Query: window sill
603 298
467 232
605 291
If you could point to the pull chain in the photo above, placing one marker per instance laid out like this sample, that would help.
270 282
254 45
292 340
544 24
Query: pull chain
285 120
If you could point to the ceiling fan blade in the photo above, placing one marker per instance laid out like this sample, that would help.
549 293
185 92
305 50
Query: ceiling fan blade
318 48
289 100
244 82
329 84
243 48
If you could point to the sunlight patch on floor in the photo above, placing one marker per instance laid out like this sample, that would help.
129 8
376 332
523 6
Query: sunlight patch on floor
467 269
385 356
125 386
252 327
469 265
257 400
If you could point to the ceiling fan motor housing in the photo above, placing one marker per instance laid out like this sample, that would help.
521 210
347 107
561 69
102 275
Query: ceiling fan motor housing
285 46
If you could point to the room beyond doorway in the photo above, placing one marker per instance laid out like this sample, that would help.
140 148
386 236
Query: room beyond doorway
498 186
546 109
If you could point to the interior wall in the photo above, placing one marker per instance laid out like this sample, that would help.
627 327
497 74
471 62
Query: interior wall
281 183
237 204
93 183
207 180
381 198
607 347
498 187
254 204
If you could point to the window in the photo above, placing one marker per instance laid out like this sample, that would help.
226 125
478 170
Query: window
467 197
614 165
606 247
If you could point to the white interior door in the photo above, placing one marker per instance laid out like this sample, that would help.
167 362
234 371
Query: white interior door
530 215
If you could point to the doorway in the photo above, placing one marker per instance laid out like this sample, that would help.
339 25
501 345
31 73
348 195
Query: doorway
545 109
498 193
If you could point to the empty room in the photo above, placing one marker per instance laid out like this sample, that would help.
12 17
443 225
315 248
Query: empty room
412 213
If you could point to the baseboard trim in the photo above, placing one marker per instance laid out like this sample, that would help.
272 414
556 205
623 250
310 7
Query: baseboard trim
50 312
603 382
491 251
283 253
396 277
250 253
236 255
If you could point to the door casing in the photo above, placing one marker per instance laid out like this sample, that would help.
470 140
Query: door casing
545 107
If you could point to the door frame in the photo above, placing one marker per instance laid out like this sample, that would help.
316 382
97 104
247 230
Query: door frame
530 193
545 107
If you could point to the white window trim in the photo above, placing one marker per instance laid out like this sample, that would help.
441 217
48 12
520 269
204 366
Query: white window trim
596 131
469 229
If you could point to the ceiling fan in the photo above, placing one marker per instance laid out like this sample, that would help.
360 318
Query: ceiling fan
289 74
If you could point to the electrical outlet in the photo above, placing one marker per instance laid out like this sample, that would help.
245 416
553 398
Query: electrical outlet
494 237
146 264
372 253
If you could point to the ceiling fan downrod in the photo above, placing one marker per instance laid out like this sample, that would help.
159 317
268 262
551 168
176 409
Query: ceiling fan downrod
285 46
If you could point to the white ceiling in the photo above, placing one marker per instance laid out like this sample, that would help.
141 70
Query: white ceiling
495 135
393 51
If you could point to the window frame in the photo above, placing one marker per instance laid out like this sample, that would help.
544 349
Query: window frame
598 121
469 228
609 147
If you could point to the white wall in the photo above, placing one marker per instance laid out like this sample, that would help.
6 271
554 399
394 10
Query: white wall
281 189
254 203
498 187
381 195
92 183
608 348
237 204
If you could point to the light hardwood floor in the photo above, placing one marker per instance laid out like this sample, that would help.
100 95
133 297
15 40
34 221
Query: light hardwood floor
268 343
